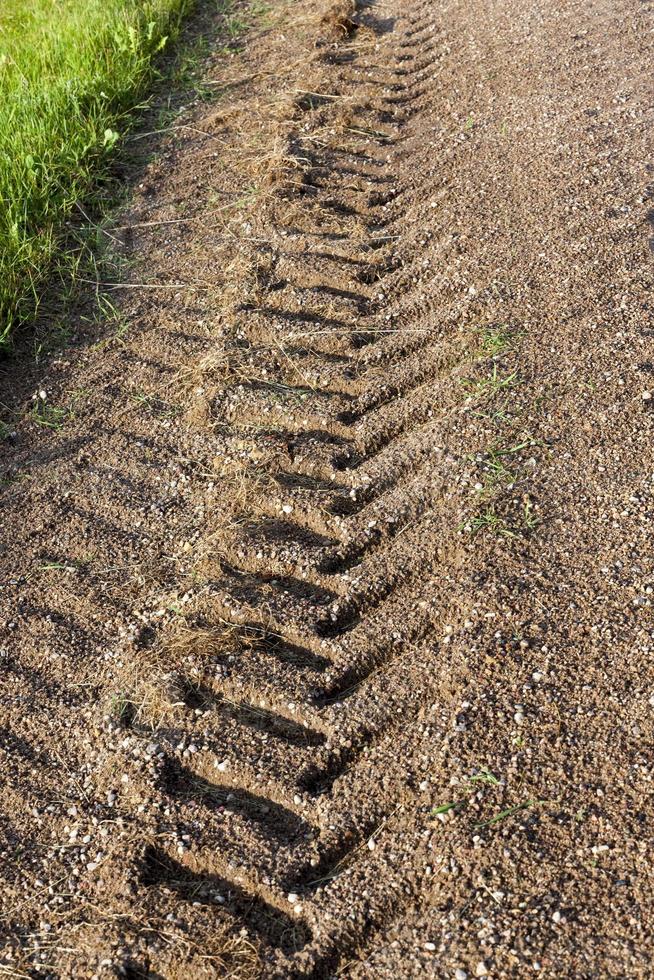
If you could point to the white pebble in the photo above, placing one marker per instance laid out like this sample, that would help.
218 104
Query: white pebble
430 947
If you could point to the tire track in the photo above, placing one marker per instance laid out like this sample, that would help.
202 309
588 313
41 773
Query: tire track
337 404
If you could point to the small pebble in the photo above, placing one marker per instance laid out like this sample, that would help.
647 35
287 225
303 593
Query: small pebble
430 947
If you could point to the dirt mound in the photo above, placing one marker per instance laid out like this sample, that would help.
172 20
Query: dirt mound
328 595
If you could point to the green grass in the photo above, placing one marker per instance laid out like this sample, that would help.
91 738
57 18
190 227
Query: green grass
492 384
71 72
494 341
510 812
49 416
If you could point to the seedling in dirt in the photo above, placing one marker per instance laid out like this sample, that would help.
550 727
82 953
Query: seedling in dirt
494 342
444 808
112 316
56 338
49 416
527 442
493 384
142 399
189 70
78 396
261 11
122 708
530 520
498 417
158 407
235 26
496 473
504 814
484 776
499 472
56 566
487 520
496 476
72 565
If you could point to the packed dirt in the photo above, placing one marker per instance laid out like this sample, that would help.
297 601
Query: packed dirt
327 573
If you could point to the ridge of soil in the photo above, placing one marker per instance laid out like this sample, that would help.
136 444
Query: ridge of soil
327 643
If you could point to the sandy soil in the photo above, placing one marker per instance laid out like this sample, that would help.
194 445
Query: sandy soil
327 635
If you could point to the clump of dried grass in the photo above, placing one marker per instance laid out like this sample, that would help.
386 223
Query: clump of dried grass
206 645
339 19
208 949
148 693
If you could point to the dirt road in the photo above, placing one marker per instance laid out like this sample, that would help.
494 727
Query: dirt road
326 561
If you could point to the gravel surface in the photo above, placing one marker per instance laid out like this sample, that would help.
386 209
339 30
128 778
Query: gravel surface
326 563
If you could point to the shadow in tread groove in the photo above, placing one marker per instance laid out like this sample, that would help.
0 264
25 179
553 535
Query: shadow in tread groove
259 719
271 924
283 823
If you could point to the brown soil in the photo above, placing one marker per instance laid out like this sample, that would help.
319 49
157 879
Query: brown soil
327 599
